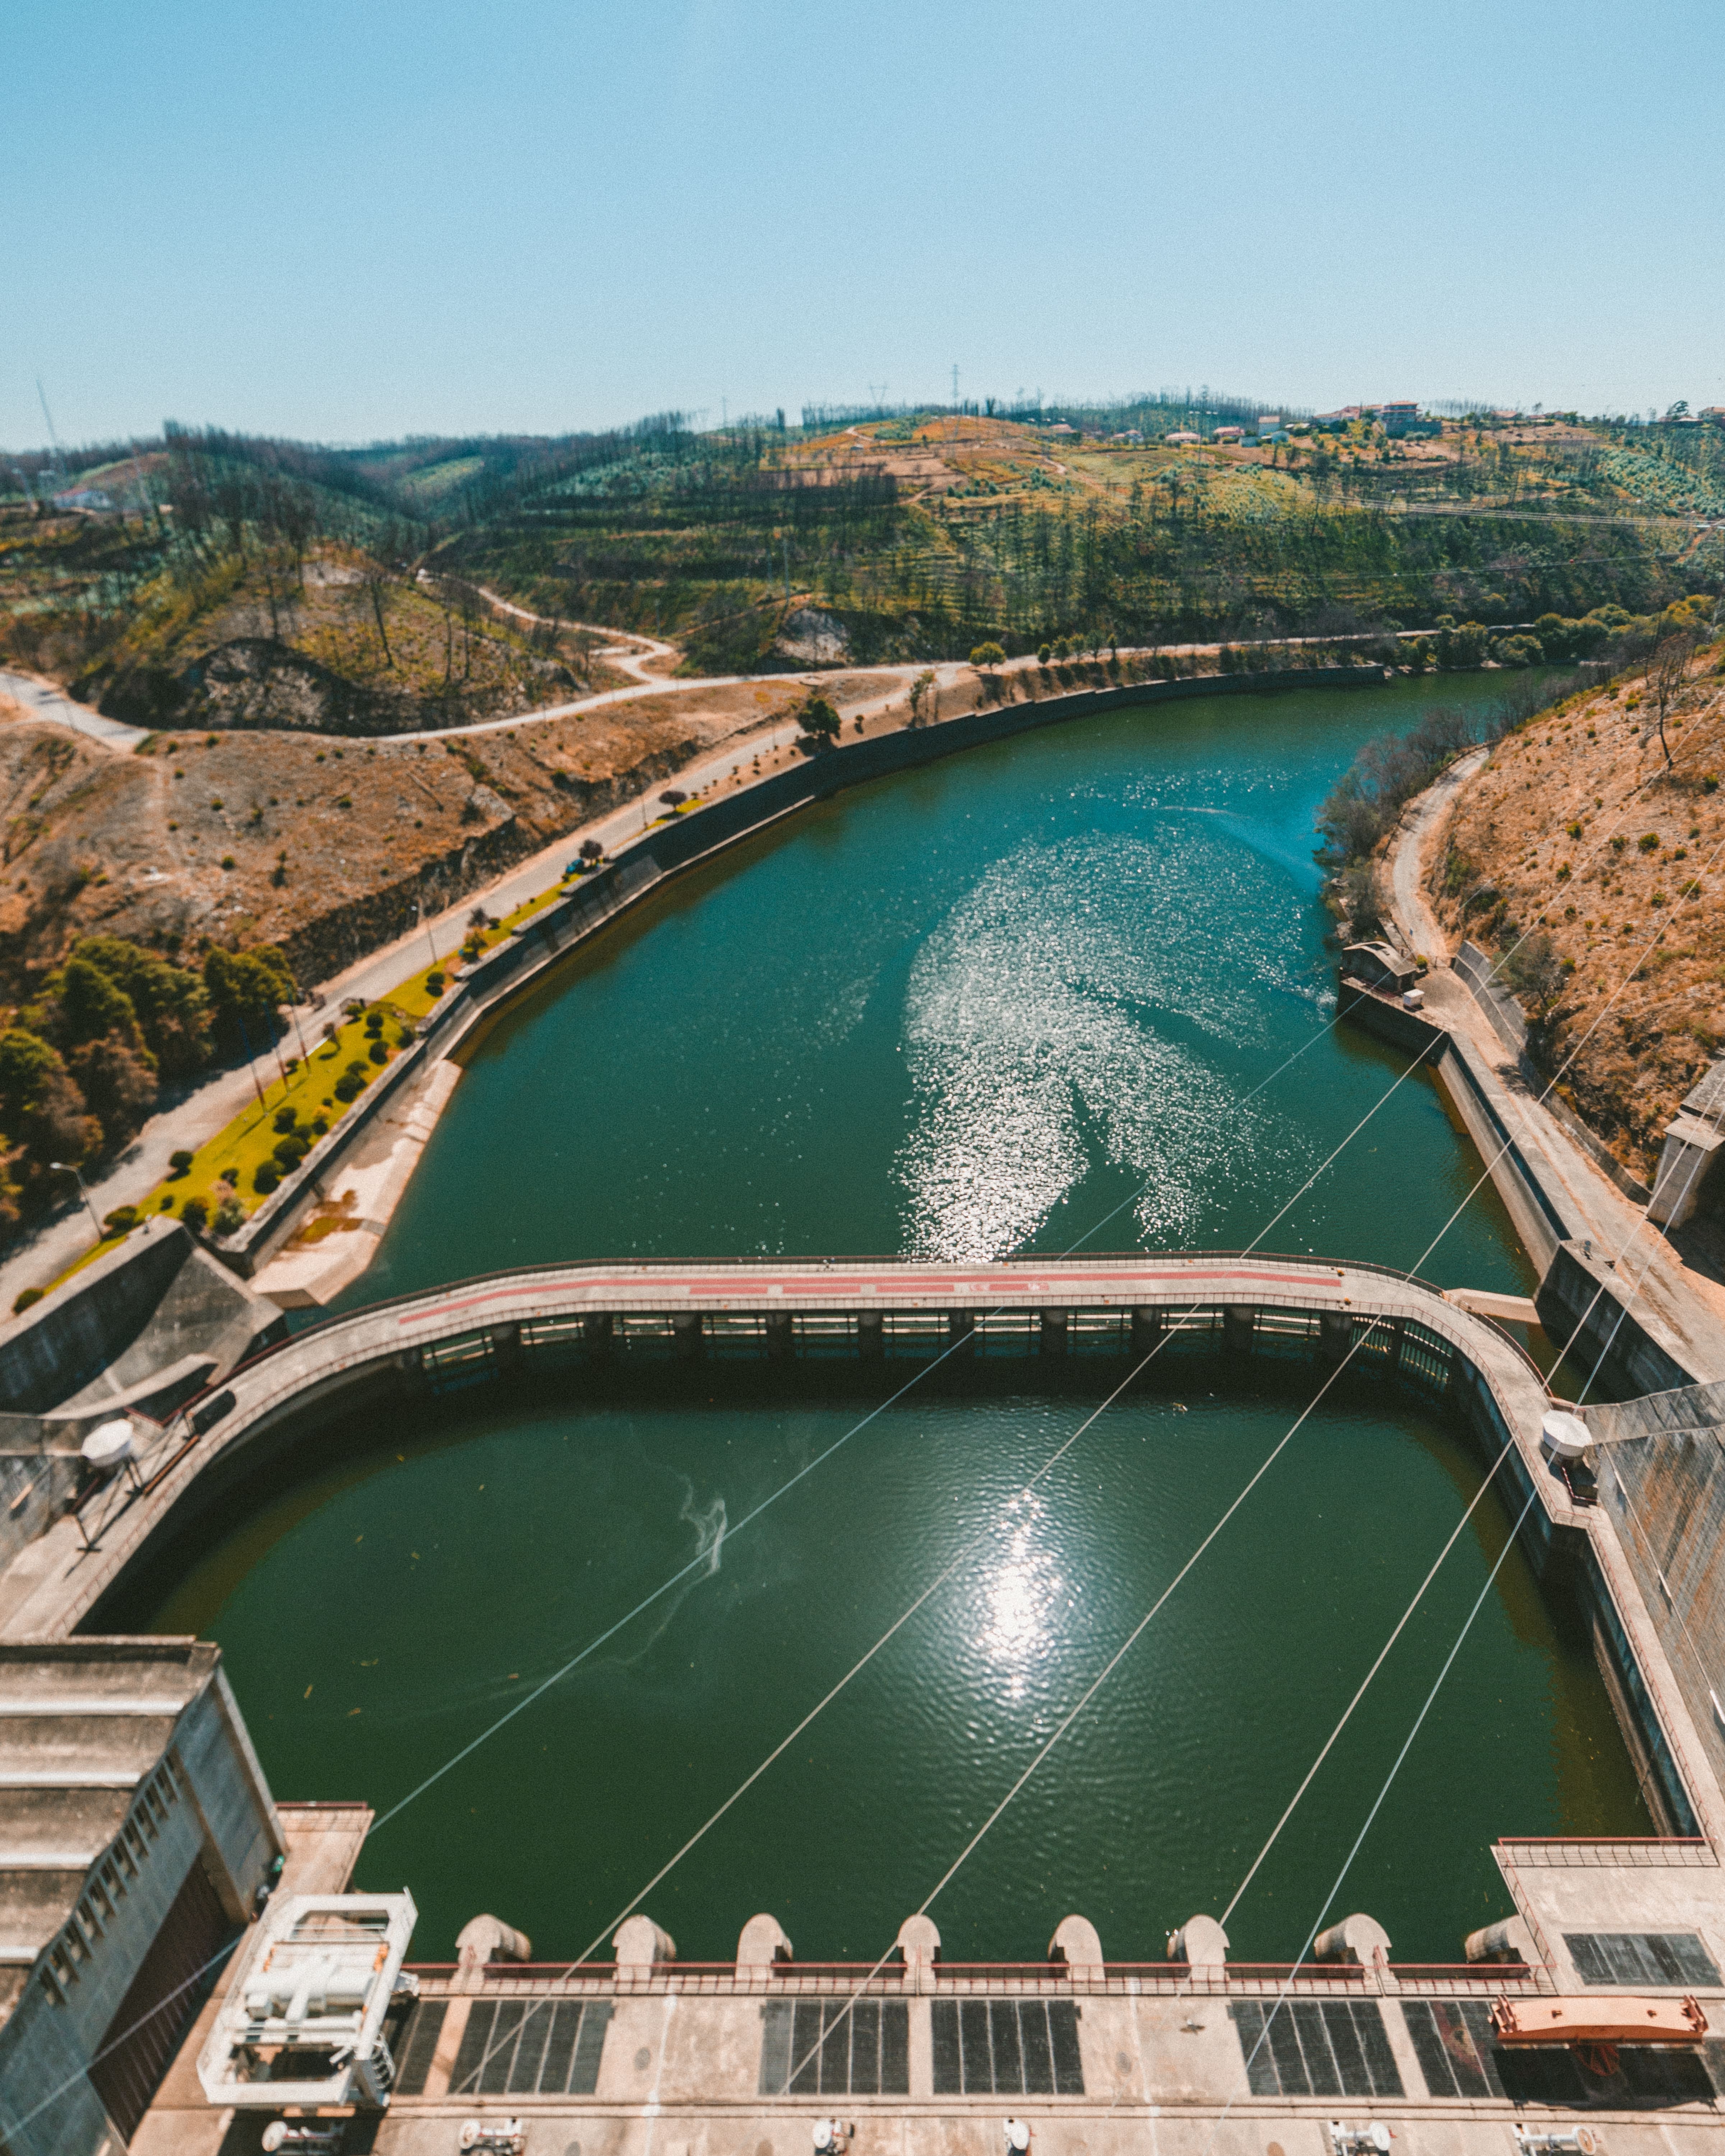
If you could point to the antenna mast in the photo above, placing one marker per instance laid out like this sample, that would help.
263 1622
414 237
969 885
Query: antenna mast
59 466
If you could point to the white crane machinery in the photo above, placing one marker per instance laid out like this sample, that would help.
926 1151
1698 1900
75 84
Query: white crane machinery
302 2024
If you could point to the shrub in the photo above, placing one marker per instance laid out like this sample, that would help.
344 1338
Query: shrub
289 1152
379 1051
374 1022
121 1220
180 1163
1042 654
1648 843
266 1177
245 988
1462 647
820 718
320 1126
1534 971
25 1297
591 851
435 981
285 1118
230 1214
348 1086
227 861
407 1035
1362 900
985 655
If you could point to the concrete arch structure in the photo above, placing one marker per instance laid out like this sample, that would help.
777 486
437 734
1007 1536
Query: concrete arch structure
554 1317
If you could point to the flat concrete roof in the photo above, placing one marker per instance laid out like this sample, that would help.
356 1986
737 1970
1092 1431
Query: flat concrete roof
83 1723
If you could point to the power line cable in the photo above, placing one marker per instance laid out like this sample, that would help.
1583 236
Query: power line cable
695 1563
1353 1349
1329 1743
1107 1670
1377 1803
1383 1794
216 1960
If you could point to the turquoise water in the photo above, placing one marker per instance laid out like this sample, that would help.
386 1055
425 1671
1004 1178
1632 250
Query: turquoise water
1021 998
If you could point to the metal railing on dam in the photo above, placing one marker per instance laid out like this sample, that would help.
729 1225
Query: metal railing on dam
794 1979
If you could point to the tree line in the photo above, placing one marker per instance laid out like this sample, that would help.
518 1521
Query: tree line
82 1063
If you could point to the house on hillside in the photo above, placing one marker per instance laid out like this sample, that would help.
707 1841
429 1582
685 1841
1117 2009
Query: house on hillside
1181 439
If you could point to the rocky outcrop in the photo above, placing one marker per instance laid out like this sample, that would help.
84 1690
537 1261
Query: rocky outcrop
254 682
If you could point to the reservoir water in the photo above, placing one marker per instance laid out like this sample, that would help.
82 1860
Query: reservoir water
1026 996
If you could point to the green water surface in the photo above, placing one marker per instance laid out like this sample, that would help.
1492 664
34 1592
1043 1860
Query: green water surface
1024 997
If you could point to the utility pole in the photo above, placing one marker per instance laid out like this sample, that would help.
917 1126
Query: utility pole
955 385
66 1167
54 439
787 537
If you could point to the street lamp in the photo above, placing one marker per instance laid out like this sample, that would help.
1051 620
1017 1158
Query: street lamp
65 1167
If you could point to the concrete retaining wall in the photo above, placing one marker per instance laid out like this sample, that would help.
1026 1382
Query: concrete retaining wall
1661 1474
1473 1090
1474 967
56 1349
1582 1305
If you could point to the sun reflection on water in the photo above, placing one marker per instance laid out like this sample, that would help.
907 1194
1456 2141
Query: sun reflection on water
1023 1592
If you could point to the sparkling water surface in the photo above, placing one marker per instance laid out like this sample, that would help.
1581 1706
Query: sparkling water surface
1025 997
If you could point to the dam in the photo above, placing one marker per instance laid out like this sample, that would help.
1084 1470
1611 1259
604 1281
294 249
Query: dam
406 1518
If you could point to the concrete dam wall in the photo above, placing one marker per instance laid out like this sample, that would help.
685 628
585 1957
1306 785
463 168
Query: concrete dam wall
544 1325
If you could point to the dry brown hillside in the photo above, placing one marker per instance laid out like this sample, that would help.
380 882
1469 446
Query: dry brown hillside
1580 831
326 847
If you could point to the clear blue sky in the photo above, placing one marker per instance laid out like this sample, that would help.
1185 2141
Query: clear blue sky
343 221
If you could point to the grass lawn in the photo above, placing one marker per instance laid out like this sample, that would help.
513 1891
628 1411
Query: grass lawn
227 1165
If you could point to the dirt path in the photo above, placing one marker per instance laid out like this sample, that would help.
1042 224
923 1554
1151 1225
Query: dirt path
1428 812
197 1114
633 657
1687 1298
41 699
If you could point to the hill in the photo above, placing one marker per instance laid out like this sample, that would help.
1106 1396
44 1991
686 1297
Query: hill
764 546
919 537
1587 854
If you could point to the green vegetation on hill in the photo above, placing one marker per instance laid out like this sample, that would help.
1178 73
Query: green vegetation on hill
80 1065
855 538
922 538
